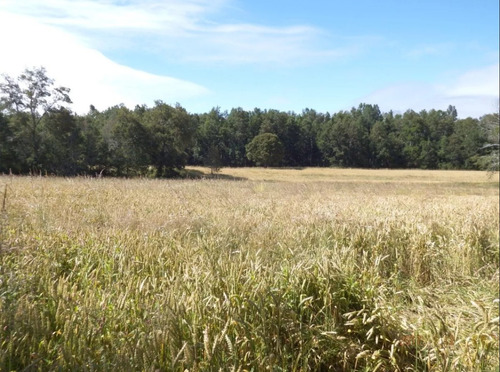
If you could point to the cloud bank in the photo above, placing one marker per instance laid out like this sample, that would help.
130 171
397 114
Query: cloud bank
474 93
68 38
181 29
93 78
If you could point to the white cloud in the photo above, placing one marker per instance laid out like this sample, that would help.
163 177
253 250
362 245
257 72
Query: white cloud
102 14
93 78
244 43
68 38
474 93
182 30
480 82
429 50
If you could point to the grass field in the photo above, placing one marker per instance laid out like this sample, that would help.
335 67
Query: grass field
253 269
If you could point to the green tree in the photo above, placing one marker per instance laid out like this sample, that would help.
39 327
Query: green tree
490 124
265 150
462 148
171 132
62 153
7 156
242 131
32 96
131 141
385 142
213 159
414 132
213 140
286 127
310 122
96 153
440 126
344 141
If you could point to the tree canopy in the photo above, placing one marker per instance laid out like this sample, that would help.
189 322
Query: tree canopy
30 97
265 150
38 132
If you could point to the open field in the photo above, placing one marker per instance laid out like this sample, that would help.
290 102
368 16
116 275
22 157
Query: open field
400 176
257 269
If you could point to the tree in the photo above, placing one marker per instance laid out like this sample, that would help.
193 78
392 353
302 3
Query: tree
213 140
462 147
310 122
127 140
491 124
62 153
213 159
32 96
414 133
344 141
386 145
7 158
238 122
265 149
171 131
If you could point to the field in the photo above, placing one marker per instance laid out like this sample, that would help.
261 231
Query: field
253 269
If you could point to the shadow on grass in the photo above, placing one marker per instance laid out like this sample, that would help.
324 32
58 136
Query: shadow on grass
197 175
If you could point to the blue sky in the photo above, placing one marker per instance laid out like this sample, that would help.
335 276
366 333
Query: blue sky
274 54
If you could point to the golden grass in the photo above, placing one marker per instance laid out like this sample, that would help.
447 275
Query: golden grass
260 269
297 175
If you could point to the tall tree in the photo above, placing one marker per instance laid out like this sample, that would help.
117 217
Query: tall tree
310 122
239 124
414 132
32 95
171 131
213 139
385 142
491 125
62 152
7 145
344 141
288 130
130 141
463 146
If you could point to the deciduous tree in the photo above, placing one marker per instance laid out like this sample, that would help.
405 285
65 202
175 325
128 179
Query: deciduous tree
265 150
32 95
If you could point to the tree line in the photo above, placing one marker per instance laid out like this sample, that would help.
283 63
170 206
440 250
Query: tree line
39 133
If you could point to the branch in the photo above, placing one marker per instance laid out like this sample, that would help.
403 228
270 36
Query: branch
490 146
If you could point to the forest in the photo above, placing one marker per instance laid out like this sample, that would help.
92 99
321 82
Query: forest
40 134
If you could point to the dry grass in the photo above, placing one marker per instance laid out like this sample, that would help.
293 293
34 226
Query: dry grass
313 269
354 175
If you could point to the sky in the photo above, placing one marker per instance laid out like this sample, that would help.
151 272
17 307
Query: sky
326 55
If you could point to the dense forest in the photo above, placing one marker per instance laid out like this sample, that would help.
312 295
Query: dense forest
40 134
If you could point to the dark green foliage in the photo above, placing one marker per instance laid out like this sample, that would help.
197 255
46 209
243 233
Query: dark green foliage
490 125
213 139
344 141
37 134
241 129
7 145
30 97
62 144
171 131
310 123
213 159
386 144
461 147
265 150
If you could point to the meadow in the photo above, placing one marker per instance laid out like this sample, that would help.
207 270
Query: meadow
251 270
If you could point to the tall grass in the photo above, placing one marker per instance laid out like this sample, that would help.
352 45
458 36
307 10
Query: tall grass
292 271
